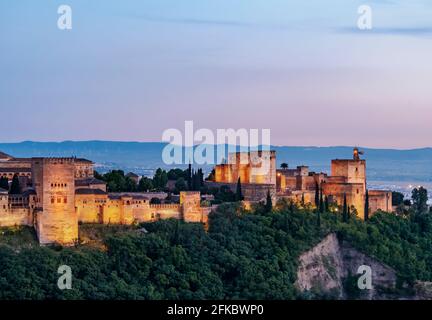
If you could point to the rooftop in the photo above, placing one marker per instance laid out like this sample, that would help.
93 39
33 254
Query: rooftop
89 191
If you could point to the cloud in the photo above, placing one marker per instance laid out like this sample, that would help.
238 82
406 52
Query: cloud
211 22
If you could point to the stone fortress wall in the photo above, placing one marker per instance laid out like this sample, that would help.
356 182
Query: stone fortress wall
61 192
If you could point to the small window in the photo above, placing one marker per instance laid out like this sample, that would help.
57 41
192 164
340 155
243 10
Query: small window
65 200
52 200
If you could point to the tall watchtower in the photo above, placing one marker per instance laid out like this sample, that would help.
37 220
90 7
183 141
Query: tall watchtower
56 220
352 170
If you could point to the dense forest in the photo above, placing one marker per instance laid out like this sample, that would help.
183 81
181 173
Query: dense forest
243 255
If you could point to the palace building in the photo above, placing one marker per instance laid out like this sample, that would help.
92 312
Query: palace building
347 179
58 193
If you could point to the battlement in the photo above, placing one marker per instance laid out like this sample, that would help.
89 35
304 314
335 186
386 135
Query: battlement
55 160
165 206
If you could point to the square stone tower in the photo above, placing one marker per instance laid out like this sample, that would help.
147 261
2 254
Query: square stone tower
56 220
190 203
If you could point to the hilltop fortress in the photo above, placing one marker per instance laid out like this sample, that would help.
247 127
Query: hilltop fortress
347 179
58 193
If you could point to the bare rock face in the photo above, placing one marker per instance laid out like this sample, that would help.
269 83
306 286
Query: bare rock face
331 269
321 268
423 290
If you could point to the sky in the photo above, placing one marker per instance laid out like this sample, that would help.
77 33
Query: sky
130 69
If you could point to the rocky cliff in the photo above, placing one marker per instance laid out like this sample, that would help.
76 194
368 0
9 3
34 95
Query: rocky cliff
331 269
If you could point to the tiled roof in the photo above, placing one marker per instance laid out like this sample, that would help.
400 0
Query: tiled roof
88 181
89 191
5 156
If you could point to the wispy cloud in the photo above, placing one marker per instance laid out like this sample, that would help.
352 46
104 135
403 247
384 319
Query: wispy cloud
211 22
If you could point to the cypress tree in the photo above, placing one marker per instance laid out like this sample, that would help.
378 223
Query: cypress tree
317 190
366 209
321 202
318 219
345 209
269 204
239 195
15 186
303 200
189 177
326 204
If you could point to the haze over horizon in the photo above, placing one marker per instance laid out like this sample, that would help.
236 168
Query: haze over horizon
136 68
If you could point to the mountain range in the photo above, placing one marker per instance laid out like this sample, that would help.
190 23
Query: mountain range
413 165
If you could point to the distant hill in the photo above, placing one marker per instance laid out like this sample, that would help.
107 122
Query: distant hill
144 157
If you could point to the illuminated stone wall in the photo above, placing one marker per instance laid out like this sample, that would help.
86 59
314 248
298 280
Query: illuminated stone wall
380 200
355 195
56 220
255 167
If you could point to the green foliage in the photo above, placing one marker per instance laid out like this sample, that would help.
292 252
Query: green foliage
145 184
419 199
160 179
180 185
397 198
269 203
4 183
243 255
223 194
117 181
345 213
239 194
175 174
15 187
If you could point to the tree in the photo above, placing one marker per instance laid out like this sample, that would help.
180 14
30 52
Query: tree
419 198
160 179
303 200
317 195
145 184
15 186
189 177
268 204
175 174
180 185
239 194
4 183
366 208
397 198
326 204
321 202
284 165
345 209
